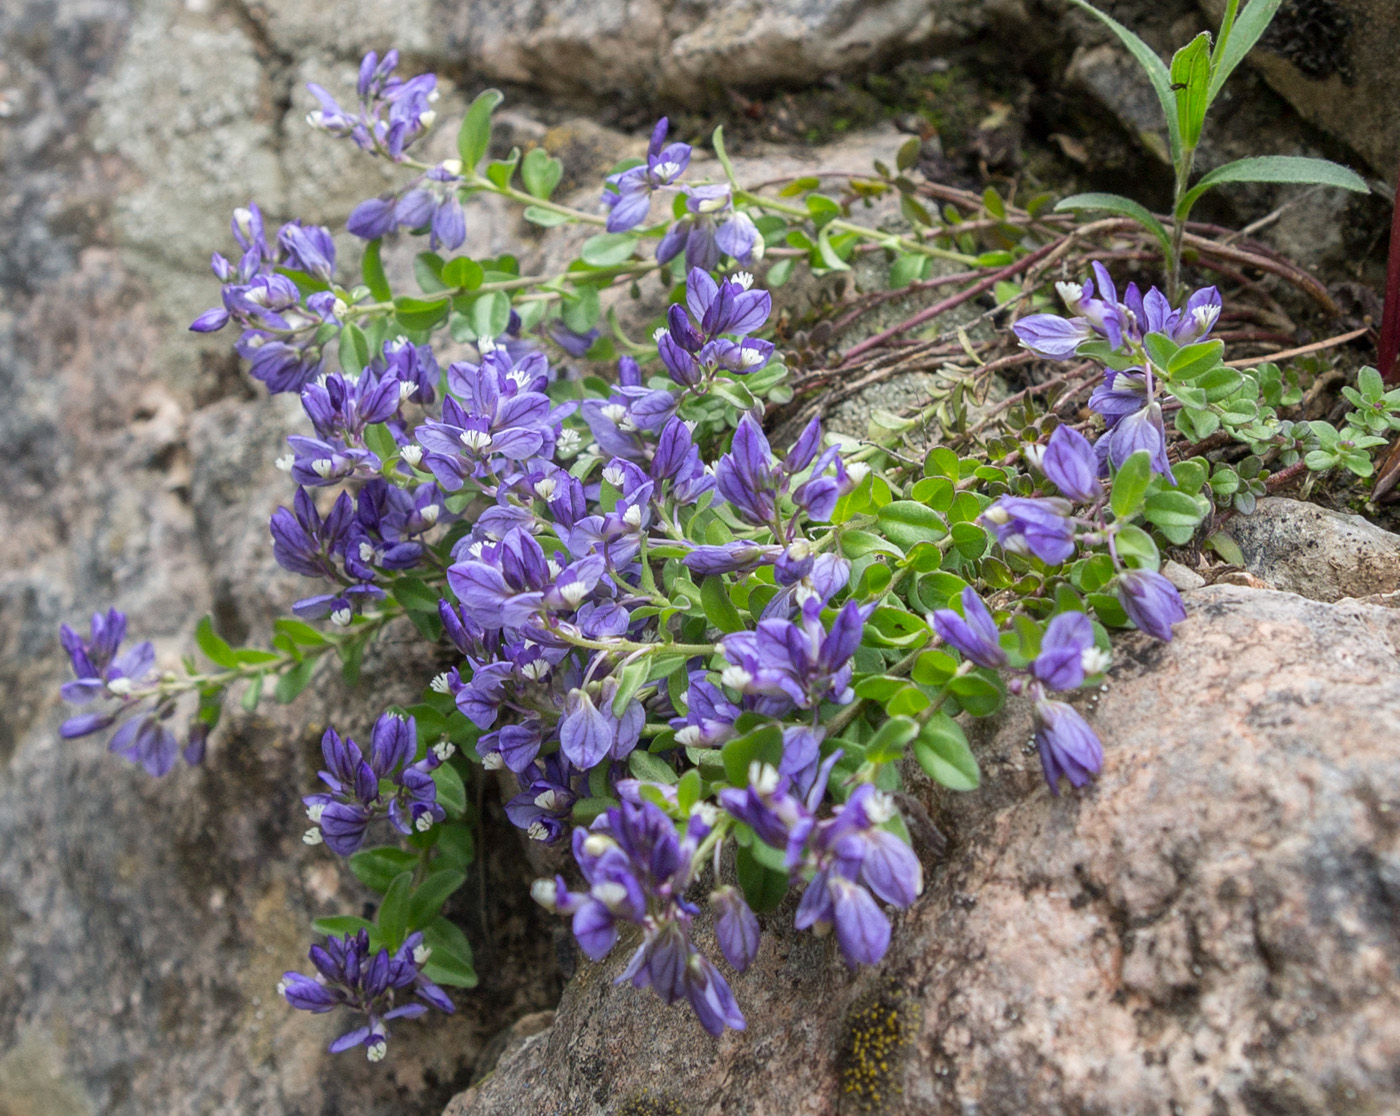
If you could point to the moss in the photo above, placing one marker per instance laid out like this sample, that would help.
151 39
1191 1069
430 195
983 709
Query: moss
647 1103
879 1031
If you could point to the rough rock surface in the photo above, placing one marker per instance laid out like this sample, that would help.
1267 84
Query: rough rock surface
1317 553
1210 931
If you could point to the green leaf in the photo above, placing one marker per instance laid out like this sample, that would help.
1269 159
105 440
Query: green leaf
717 141
474 137
981 693
580 310
545 218
451 793
1194 360
889 742
1123 207
419 314
908 153
608 249
943 753
907 269
377 868
300 632
393 912
214 648
379 440
341 925
763 887
1130 485
719 609
1135 546
353 350
650 769
1294 169
490 314
1237 40
1154 67
1190 74
291 684
829 257
906 522
413 593
463 274
501 171
541 172
373 271
761 745
449 971
430 895
1176 514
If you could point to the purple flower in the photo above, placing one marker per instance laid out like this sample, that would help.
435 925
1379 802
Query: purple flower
1141 430
1052 337
1067 744
802 664
627 195
432 204
1040 526
1067 644
547 797
1151 602
711 228
392 115
974 633
1070 465
736 927
145 740
386 784
375 985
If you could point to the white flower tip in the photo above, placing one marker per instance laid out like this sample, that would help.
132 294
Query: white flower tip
880 808
614 412
545 893
996 514
857 471
573 592
423 823
742 279
412 454
119 686
689 736
596 844
633 516
610 893
312 836
376 1050
545 488
493 761
341 617
285 462
322 466
451 166
444 750
535 669
658 333
547 800
763 777
421 953
282 988
366 552
430 513
442 684
315 811
537 832
735 677
1095 660
427 119
485 344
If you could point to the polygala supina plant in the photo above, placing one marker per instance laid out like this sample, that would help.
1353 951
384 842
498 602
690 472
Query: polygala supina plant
699 659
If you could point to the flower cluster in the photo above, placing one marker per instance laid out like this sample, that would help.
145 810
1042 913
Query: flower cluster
1047 528
124 684
711 227
847 859
369 982
387 784
1127 399
637 870
282 337
691 659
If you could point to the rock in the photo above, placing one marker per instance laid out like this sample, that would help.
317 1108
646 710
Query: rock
1325 555
1326 57
1180 576
599 48
1211 929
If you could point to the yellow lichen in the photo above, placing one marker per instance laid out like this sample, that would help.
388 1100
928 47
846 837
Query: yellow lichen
877 1032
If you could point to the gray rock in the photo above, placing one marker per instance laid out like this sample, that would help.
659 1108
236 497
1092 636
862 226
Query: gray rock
1325 555
1209 930
1329 58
